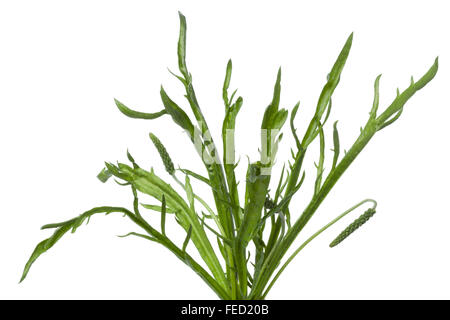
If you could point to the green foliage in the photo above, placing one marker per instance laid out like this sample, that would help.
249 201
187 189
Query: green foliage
242 240
136 114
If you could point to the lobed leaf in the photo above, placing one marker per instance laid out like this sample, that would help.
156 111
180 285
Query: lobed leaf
61 229
402 98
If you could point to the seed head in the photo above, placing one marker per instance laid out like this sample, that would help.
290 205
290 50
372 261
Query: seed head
353 226
167 161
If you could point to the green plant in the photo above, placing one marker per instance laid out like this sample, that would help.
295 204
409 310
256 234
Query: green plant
261 221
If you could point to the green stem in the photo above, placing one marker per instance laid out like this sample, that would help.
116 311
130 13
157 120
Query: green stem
230 272
182 255
304 244
277 254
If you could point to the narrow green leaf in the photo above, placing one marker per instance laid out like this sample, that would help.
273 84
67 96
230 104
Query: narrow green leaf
178 77
272 110
327 115
222 249
196 175
140 235
131 159
279 119
163 215
279 188
178 115
321 160
189 192
402 98
217 234
392 120
327 91
115 171
376 98
427 77
188 237
277 90
334 75
182 47
293 130
226 84
42 247
135 202
136 114
156 208
121 184
336 145
232 96
61 229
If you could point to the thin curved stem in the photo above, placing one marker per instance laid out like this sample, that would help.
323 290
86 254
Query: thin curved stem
304 244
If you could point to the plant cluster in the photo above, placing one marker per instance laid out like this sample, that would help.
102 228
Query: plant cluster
251 234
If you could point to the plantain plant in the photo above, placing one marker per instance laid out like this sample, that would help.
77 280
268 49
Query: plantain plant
241 240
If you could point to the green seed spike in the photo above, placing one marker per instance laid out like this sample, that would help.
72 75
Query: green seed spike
167 161
353 226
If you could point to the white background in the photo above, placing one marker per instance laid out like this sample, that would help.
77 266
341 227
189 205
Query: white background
62 62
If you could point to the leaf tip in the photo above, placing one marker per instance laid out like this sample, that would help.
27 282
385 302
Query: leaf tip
22 278
118 104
